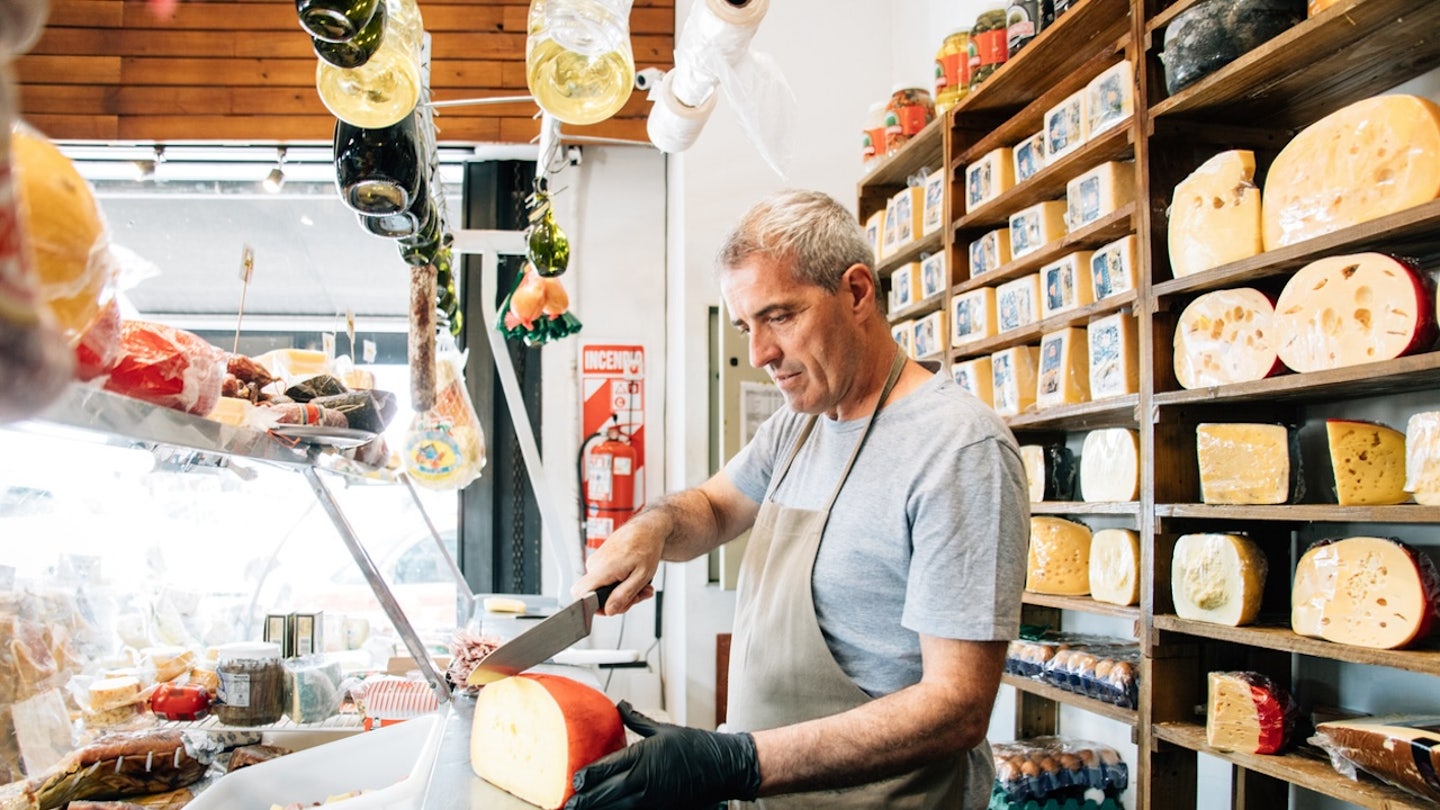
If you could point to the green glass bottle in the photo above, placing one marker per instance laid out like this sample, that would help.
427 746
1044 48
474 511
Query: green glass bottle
335 20
357 50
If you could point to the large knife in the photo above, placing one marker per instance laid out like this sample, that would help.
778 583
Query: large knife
541 641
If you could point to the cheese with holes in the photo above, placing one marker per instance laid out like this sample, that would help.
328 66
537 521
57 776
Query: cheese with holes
1243 463
1065 125
934 275
1224 337
989 252
1059 558
1114 356
1034 227
1347 310
1422 457
1029 157
874 232
1016 370
1403 750
1368 462
909 215
989 177
1049 471
933 214
1115 567
1099 192
1110 98
1217 578
1373 158
973 316
1066 284
1112 268
1249 713
904 334
930 334
531 733
1365 591
1017 303
1110 466
1064 368
976 378
1215 214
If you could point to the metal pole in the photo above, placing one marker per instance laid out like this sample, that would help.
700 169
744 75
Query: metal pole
444 552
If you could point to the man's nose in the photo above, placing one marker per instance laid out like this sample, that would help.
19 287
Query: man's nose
763 350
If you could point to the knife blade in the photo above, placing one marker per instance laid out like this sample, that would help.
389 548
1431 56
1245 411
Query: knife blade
537 644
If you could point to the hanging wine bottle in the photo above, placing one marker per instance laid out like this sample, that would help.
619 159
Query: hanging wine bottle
421 249
386 88
335 20
357 50
409 222
378 171
578 62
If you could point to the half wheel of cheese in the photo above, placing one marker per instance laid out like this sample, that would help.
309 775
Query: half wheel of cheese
1224 337
1364 591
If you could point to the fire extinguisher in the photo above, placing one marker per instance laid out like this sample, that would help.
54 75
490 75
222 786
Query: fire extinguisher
607 484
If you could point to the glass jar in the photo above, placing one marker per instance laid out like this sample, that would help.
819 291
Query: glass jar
578 63
907 112
988 46
952 70
386 88
252 684
1024 21
872 139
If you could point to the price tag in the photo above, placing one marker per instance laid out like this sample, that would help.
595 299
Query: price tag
247 264
368 350
327 343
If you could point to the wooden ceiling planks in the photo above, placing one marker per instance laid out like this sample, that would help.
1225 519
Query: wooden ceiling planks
222 70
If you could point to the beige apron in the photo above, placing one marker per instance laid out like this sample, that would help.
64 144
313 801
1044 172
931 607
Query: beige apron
781 670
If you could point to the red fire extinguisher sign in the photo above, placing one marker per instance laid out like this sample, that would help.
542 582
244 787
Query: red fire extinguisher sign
612 386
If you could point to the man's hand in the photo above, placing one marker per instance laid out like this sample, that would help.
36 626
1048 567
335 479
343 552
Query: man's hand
673 767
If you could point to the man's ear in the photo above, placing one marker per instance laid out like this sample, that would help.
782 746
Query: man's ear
859 283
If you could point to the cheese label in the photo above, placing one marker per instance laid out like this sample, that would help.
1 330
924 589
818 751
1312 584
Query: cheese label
989 252
1112 268
1017 302
934 213
1066 284
988 178
1065 127
873 231
1114 356
1036 226
904 334
1064 368
973 316
1015 373
930 334
933 275
976 378
1110 98
1029 157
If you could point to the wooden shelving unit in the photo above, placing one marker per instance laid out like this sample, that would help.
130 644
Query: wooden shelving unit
1041 689
1281 637
1083 604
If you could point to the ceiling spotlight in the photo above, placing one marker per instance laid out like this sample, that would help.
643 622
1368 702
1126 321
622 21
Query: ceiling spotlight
145 169
275 180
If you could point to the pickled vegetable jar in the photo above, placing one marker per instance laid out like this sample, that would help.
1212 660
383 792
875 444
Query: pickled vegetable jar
952 70
988 45
907 112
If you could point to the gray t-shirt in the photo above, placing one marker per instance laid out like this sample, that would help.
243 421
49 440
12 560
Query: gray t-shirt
928 534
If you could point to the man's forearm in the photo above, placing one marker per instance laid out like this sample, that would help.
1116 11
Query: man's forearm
688 523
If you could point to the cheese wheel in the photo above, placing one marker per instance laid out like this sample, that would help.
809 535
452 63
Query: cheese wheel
1059 558
1215 214
1422 457
1368 160
1244 463
531 733
1368 462
1249 713
1402 750
1115 567
1217 578
1224 337
1347 310
1110 465
1366 592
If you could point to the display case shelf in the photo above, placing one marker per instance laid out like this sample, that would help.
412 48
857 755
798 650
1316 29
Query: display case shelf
913 252
1115 412
1306 769
1414 373
1031 686
1100 232
1302 513
340 723
1082 604
1273 637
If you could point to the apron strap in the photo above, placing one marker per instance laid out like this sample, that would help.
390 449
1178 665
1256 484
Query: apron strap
896 366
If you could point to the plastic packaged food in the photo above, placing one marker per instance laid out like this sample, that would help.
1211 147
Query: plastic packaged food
952 70
1054 767
445 446
1107 672
988 46
1398 749
872 139
168 367
1209 35
1249 713
172 701
906 113
1365 591
252 684
385 699
312 689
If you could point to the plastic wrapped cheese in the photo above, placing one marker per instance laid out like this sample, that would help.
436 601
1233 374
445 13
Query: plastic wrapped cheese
1059 557
931 333
1049 471
1422 457
1224 337
1365 591
1402 750
1064 368
1065 284
1065 127
1209 35
1245 463
1112 268
976 377
1034 227
934 275
1249 713
1215 214
933 215
989 177
989 252
909 215
1101 191
1114 356
1016 370
1029 156
1367 461
1115 567
904 334
1110 98
874 232
1370 159
972 316
1217 578
1017 302
1110 465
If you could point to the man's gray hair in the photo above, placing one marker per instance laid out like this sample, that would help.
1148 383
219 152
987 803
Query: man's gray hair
818 235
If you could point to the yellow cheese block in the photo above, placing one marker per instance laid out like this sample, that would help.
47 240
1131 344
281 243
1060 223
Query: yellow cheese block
909 215
890 230
1361 162
989 177
1032 458
1217 578
976 377
1110 466
1017 302
1016 371
1112 268
904 334
1034 227
931 334
1109 98
934 275
1065 126
231 411
1064 368
1368 461
1098 192
905 286
989 252
1059 558
933 215
1422 457
1247 712
1243 463
1364 591
1215 214
1029 157
972 316
1114 356
1115 567
1066 284
110 693
875 232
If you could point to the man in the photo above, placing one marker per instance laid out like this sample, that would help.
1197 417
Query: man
888 517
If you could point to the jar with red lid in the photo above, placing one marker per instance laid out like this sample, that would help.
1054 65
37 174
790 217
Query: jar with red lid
910 108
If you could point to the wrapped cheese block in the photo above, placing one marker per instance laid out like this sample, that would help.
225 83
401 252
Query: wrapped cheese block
1365 591
1112 268
1114 356
934 275
989 177
1110 465
1102 190
1110 98
1034 227
1029 156
904 334
909 215
1215 214
989 252
973 316
976 377
1065 284
933 215
1064 368
1368 462
1015 372
1422 457
109 693
1347 310
1049 471
1212 34
1365 161
1245 463
1065 127
1249 713
531 733
1017 303
1224 337
1059 557
1217 578
931 332
1402 750
1115 567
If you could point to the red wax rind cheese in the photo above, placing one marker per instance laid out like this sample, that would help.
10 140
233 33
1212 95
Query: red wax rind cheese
1365 591
1249 713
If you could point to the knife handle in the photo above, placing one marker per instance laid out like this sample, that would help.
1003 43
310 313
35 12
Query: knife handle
602 594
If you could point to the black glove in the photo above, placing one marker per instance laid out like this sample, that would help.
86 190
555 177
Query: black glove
674 767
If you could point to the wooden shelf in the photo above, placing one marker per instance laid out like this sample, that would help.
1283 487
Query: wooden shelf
1098 233
1084 604
1303 513
1414 232
1304 768
1033 332
924 151
1126 508
924 306
1127 716
1114 412
913 252
1049 183
1353 50
1413 373
1270 637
